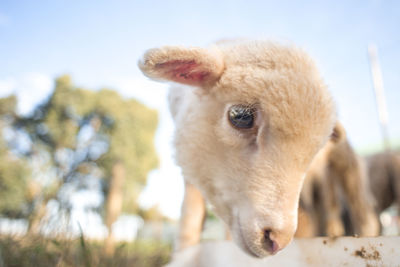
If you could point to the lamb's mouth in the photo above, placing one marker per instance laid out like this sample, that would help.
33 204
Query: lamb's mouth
243 242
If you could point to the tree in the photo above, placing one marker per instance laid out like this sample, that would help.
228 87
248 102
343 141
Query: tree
13 171
13 184
92 134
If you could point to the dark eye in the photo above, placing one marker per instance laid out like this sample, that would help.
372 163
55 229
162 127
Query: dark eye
241 116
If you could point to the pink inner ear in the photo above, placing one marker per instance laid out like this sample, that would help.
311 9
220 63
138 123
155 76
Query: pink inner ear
187 72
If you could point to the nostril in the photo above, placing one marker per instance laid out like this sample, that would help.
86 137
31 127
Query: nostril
271 245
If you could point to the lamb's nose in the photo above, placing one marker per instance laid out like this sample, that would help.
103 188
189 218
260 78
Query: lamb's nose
269 243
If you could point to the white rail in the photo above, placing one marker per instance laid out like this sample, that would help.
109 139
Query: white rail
343 251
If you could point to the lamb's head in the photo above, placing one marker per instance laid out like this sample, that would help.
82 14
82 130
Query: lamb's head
249 125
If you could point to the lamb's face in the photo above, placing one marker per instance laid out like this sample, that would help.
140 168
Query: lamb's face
248 136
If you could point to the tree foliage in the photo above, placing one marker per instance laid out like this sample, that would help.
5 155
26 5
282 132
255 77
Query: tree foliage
14 173
82 134
13 184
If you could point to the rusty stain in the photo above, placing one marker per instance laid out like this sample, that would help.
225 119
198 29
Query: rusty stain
333 238
364 254
345 249
324 242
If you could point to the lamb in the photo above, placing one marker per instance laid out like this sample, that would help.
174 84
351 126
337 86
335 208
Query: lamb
250 117
384 178
366 186
337 184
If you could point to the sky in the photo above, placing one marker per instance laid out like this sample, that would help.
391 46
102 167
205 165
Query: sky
99 43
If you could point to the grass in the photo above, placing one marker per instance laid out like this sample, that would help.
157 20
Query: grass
39 251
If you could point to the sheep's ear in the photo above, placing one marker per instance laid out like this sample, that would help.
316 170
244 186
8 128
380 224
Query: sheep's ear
339 133
191 66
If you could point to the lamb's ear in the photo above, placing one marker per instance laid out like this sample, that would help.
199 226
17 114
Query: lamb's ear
339 133
191 66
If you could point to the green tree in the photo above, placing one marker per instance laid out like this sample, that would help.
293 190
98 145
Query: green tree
13 185
92 134
13 172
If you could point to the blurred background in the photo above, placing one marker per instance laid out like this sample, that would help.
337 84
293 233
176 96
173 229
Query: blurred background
86 162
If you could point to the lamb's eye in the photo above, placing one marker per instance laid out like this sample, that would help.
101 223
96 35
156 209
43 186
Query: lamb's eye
241 116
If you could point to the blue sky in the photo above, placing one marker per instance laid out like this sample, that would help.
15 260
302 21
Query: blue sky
99 43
